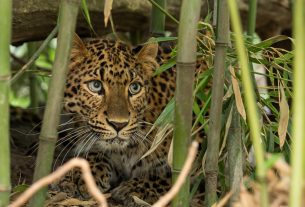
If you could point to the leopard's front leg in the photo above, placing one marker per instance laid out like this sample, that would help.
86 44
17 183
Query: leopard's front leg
103 173
147 188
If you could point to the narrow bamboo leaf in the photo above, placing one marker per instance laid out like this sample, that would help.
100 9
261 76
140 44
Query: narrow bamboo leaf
204 80
285 81
259 60
198 112
167 114
160 39
107 10
161 134
163 125
227 128
20 188
202 112
206 25
286 58
170 155
284 116
140 201
268 103
266 43
239 101
170 63
208 17
196 184
86 13
272 160
228 94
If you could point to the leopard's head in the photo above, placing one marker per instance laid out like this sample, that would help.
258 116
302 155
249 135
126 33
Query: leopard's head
107 86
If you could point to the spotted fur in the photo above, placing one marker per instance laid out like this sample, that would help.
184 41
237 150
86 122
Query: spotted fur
115 121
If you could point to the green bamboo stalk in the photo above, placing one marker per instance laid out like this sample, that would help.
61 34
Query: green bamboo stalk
234 144
250 33
5 73
251 107
215 14
157 25
186 61
252 18
164 11
222 41
298 110
48 136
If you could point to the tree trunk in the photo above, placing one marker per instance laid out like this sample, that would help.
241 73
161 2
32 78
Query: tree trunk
34 19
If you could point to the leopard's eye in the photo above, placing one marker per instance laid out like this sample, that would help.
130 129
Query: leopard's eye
135 88
95 86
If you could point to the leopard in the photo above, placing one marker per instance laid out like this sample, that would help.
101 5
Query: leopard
115 96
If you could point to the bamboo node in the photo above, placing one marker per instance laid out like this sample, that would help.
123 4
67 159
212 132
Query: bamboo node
186 64
176 171
73 2
157 34
48 139
5 77
221 43
5 189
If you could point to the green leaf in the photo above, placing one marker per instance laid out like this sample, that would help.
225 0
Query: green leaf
160 39
266 43
164 127
20 188
272 160
86 14
170 63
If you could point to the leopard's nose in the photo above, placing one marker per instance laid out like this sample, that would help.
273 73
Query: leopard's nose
118 126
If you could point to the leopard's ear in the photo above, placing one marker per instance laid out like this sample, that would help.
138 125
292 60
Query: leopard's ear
78 50
147 58
149 50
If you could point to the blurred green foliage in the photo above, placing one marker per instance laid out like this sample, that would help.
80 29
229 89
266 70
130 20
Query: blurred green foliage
20 90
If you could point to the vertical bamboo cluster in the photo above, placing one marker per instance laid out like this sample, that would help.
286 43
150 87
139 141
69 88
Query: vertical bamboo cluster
251 107
48 136
222 41
298 123
5 74
157 25
186 61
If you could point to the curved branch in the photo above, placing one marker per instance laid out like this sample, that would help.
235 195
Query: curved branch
75 162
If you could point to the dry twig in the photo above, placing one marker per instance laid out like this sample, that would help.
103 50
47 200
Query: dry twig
75 162
181 178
